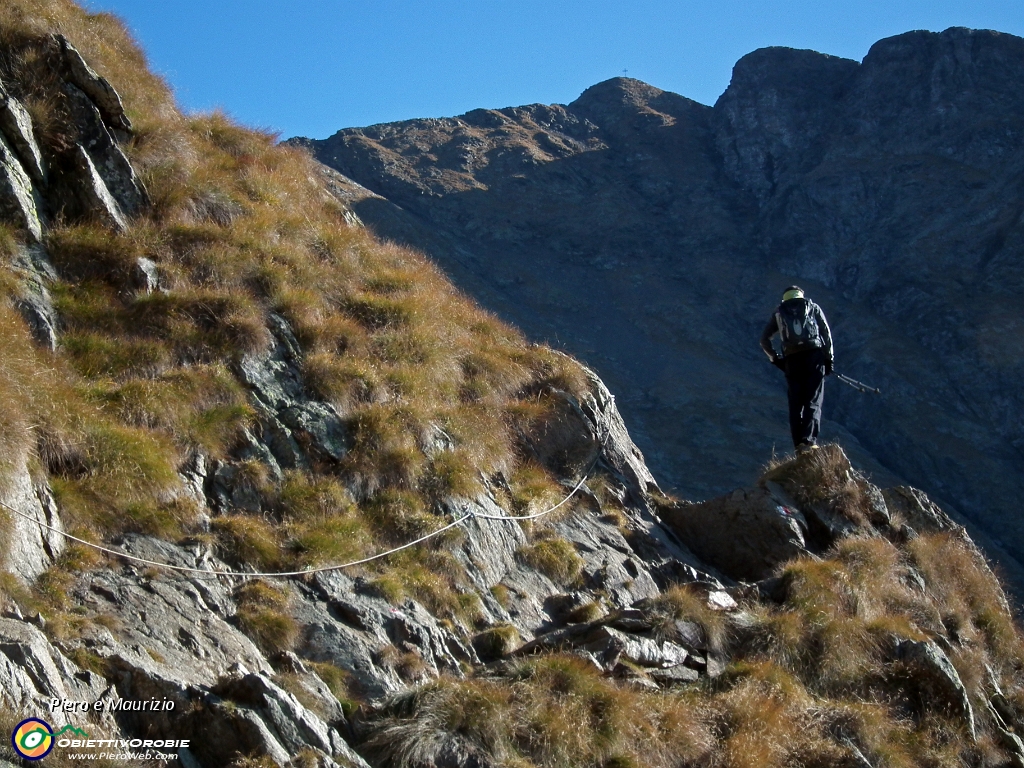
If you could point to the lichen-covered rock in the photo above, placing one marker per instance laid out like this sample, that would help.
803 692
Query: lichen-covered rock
110 161
86 189
17 199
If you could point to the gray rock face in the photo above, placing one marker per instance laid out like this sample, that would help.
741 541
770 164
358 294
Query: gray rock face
111 164
352 628
937 676
36 273
90 191
920 512
97 88
290 727
29 547
779 106
17 200
652 236
16 125
32 672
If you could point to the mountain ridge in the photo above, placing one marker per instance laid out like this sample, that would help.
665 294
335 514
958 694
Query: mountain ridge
889 188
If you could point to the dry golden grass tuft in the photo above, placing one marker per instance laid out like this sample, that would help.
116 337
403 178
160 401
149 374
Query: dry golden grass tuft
684 603
556 711
555 557
823 476
263 615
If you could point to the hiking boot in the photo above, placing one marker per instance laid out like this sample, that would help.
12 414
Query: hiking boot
806 447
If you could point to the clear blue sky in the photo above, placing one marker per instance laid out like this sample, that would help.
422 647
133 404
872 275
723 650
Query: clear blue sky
311 67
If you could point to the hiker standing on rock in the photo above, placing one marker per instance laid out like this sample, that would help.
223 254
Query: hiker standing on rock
806 359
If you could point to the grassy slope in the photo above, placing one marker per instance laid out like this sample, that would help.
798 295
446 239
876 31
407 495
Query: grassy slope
240 228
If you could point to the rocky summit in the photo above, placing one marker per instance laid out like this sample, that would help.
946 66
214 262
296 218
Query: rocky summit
274 493
653 236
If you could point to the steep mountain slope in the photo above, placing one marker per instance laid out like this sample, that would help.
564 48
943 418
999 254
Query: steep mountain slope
652 236
272 493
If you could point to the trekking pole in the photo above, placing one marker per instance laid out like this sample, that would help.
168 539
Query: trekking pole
860 386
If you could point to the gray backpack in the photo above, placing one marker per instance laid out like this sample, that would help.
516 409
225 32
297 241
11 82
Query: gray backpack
798 326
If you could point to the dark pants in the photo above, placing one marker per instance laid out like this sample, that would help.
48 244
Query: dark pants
805 375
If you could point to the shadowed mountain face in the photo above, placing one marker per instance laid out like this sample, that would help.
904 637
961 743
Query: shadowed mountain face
652 236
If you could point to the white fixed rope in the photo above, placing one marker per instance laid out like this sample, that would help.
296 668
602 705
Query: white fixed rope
283 574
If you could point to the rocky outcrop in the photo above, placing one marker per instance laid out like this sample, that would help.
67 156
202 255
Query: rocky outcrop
33 671
97 88
149 634
89 192
652 236
87 178
16 125
31 547
99 145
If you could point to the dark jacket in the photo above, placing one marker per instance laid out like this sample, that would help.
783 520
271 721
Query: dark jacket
775 324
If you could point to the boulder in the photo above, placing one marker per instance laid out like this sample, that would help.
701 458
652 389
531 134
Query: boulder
824 524
746 534
612 645
680 675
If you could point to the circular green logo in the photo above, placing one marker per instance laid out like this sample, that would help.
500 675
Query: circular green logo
32 738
